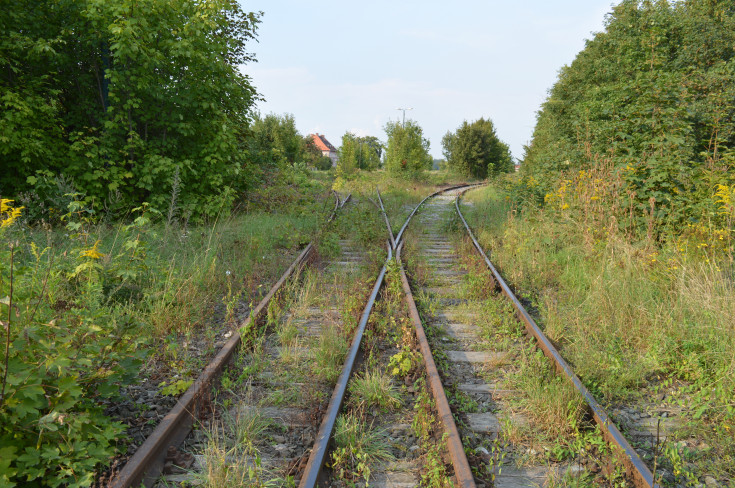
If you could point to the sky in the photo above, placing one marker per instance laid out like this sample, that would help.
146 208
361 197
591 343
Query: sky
346 66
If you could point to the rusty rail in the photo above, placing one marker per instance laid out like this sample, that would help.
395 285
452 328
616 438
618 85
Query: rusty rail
318 455
399 237
462 470
147 463
313 471
387 222
637 469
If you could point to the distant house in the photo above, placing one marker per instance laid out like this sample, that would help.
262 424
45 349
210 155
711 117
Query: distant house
325 147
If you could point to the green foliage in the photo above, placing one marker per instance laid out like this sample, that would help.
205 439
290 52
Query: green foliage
275 141
348 162
89 301
358 153
404 362
407 154
120 95
323 163
357 447
652 98
176 388
662 313
374 389
65 351
475 150
435 473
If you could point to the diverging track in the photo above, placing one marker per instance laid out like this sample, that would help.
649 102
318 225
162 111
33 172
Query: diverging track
520 424
346 381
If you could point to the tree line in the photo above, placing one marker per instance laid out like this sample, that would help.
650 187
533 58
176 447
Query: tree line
120 95
648 104
473 150
131 101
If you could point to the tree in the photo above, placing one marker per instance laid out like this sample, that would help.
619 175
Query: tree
475 150
274 140
373 151
348 162
408 151
120 95
358 153
653 97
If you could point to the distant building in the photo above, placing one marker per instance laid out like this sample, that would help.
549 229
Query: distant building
325 147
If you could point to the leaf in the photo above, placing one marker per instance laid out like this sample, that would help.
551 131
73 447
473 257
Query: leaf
700 411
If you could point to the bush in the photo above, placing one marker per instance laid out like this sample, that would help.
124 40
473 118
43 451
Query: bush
324 163
66 352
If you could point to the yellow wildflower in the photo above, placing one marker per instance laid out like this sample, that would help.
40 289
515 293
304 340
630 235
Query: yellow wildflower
93 252
8 214
724 196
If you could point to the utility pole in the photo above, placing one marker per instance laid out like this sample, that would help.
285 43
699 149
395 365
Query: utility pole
404 114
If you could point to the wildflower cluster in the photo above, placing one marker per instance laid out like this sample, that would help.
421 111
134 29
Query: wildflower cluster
8 213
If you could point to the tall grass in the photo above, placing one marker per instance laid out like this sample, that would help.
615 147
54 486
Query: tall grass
633 316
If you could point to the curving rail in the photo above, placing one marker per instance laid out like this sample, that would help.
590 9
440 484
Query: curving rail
313 472
462 470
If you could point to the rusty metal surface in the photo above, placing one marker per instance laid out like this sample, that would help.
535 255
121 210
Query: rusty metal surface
147 463
462 470
387 222
637 469
313 471
319 452
399 237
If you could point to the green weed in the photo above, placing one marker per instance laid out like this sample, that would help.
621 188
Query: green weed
374 389
357 447
329 354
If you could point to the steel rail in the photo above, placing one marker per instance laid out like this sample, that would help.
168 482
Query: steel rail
146 465
312 471
637 469
387 222
408 219
462 469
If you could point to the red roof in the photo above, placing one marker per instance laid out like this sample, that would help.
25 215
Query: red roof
322 143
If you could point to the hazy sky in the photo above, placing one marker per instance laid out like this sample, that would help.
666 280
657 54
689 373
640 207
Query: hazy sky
341 66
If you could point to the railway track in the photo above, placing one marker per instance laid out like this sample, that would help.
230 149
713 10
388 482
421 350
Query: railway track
160 449
284 411
475 363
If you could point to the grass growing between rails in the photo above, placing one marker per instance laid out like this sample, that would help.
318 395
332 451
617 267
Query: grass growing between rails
400 196
89 307
640 320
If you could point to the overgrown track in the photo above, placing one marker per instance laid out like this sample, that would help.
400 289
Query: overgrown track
637 470
470 367
287 430
147 463
313 475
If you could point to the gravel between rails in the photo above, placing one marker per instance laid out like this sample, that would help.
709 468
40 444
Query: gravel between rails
271 401
474 366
